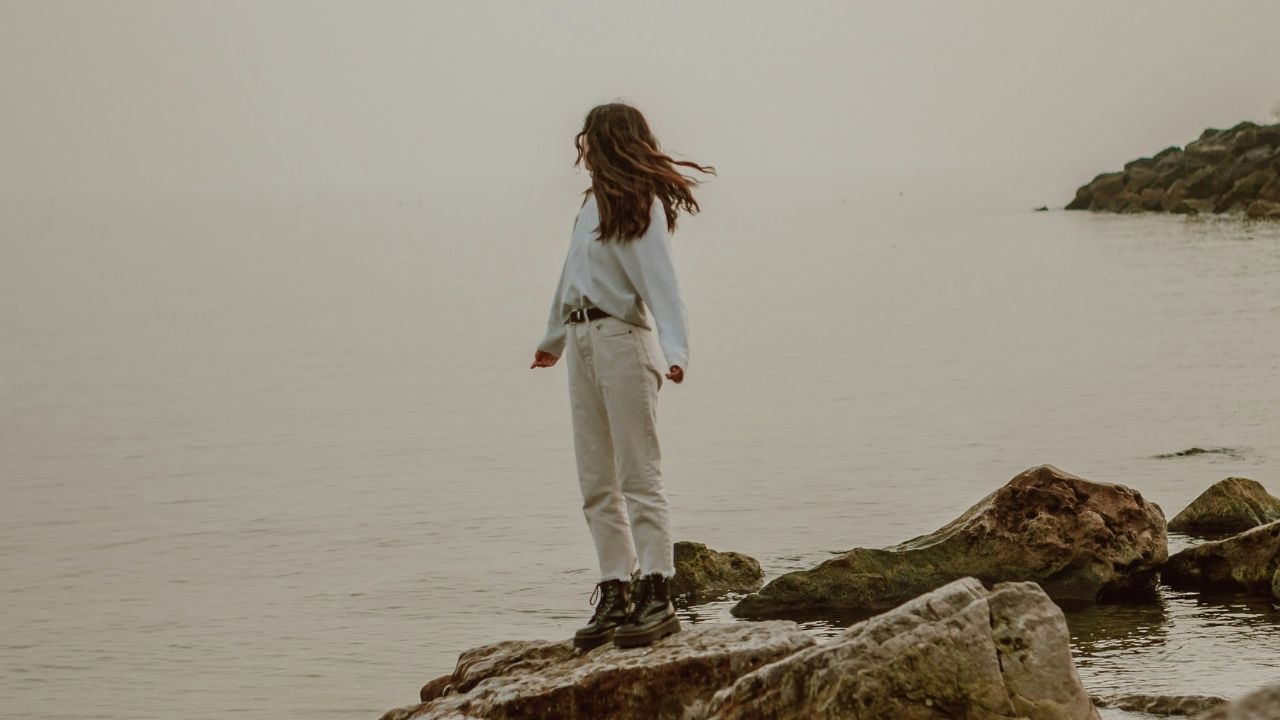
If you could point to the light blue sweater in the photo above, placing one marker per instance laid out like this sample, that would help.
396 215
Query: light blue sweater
621 278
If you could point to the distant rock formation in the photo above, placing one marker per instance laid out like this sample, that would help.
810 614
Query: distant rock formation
1224 171
1080 540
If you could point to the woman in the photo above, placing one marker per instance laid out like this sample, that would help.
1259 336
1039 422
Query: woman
619 263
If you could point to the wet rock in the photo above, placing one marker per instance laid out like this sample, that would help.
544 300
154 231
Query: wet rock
1262 704
960 652
1233 453
1080 540
1232 505
1248 560
1162 705
705 574
1275 585
543 679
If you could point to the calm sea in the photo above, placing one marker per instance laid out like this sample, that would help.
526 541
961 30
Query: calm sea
286 458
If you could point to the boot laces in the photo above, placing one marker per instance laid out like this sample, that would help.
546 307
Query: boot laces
605 598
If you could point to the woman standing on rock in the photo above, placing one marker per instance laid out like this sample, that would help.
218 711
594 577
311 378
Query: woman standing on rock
619 262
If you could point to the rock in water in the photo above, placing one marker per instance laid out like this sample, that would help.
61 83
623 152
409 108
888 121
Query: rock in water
1263 704
705 574
1080 540
1228 506
542 679
1248 560
1163 705
957 653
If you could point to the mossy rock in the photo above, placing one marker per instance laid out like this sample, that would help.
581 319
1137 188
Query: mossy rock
704 574
1229 506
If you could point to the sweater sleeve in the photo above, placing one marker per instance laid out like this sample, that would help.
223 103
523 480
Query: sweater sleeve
649 265
554 340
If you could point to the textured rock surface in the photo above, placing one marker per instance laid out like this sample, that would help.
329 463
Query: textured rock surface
705 574
958 653
542 679
1248 560
1163 705
1079 540
1236 171
1228 506
1263 704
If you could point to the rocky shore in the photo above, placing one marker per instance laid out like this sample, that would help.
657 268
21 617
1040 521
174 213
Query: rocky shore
1223 171
968 625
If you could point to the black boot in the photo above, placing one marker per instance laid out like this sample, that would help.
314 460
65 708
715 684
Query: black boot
652 616
615 596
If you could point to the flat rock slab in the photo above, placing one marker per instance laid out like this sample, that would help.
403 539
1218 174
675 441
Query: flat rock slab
1249 560
1229 506
1078 539
541 679
960 652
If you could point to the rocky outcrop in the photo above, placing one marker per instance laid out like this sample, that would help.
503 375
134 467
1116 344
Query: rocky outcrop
1232 505
704 574
1248 560
958 653
1235 171
1162 705
1080 540
544 679
1262 704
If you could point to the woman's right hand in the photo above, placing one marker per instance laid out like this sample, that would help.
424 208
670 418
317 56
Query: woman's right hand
543 359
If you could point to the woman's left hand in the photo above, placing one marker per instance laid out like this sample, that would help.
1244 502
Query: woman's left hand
676 375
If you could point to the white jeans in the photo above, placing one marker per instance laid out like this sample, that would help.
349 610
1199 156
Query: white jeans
614 380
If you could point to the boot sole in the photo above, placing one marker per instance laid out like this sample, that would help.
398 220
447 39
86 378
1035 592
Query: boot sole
587 642
670 626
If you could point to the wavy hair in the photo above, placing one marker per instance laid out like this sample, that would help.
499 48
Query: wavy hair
628 169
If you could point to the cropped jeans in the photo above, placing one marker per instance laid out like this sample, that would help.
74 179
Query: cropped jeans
614 379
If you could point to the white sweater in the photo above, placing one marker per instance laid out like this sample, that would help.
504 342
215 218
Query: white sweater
621 278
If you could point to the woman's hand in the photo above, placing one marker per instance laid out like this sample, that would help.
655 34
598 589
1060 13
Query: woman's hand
543 359
676 375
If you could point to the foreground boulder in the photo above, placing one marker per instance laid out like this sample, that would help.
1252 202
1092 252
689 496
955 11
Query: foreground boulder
1235 170
1263 704
542 679
958 653
1246 561
1080 540
1228 506
705 574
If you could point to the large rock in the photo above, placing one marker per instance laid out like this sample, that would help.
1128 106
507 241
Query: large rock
1263 704
957 653
705 574
542 679
1248 560
1080 540
1232 505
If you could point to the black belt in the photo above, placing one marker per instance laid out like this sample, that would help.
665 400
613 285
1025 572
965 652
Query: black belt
577 315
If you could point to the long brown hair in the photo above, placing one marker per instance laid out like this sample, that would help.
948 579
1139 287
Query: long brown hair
628 169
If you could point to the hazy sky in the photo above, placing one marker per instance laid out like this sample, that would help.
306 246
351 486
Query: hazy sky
193 97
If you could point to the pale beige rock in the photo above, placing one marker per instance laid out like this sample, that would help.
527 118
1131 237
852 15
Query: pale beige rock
957 653
541 679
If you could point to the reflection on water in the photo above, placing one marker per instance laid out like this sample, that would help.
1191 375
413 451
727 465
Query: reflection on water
288 459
